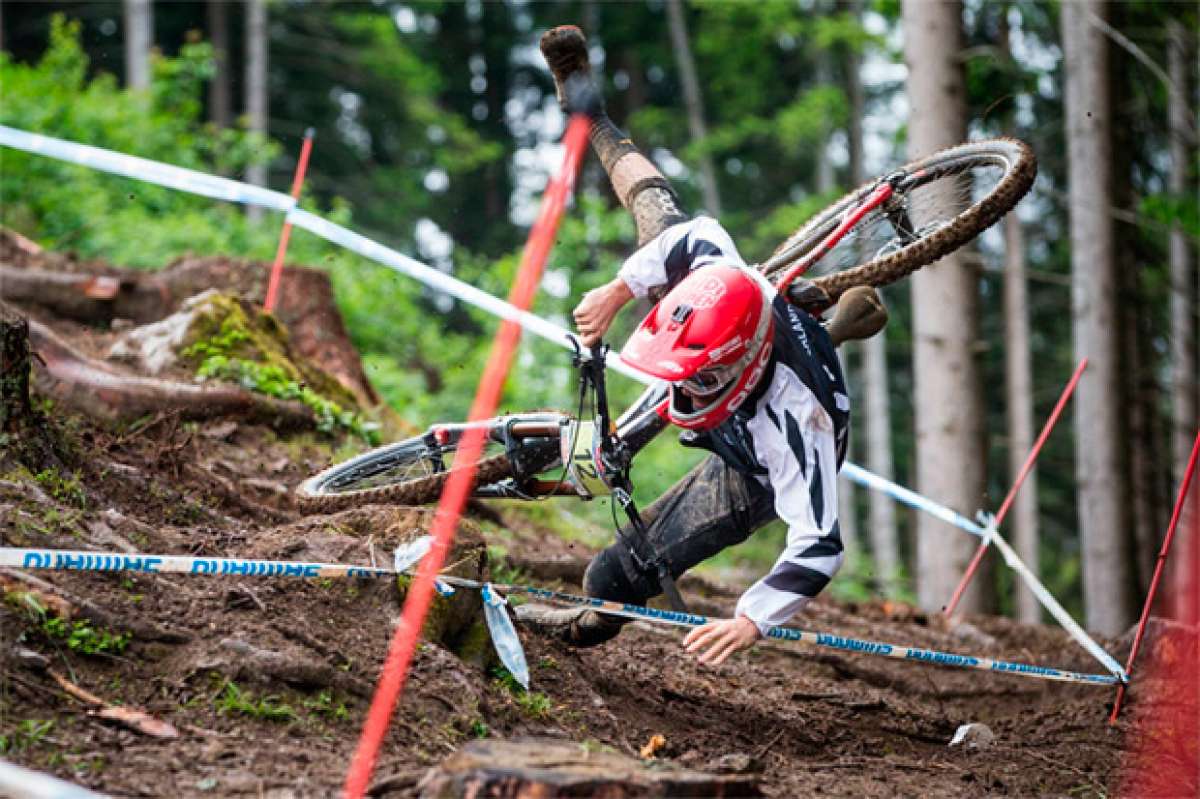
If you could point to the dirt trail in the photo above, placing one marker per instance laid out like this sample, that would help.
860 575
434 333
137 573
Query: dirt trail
808 721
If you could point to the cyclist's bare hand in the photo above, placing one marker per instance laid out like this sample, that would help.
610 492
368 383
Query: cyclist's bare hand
598 308
720 639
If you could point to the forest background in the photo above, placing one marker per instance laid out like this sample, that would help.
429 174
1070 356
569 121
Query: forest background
436 129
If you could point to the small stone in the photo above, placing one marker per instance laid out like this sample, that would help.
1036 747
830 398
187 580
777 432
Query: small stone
733 763
206 784
973 736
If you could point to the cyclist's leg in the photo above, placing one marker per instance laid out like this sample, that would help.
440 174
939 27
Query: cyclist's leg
639 185
710 508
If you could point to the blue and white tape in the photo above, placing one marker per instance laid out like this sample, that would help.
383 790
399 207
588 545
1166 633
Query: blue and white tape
503 635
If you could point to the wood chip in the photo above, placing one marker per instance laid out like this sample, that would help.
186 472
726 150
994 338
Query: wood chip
652 747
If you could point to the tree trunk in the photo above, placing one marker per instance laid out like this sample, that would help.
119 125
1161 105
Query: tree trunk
1102 488
947 398
220 98
256 87
139 38
1183 275
694 102
885 538
1183 303
1018 387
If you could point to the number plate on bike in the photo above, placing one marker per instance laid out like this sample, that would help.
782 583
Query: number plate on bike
579 449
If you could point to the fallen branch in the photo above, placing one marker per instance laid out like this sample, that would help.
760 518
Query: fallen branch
131 717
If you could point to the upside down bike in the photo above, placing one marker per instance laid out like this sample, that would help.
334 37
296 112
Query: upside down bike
872 237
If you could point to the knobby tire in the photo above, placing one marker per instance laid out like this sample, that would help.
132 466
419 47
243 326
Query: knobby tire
1020 170
314 494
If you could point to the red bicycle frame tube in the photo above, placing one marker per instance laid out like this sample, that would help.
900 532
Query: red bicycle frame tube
881 194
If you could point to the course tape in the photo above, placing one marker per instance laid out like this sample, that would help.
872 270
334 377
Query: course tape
143 169
233 191
22 783
239 567
989 534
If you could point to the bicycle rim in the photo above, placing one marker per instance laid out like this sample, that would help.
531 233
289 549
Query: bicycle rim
408 472
951 198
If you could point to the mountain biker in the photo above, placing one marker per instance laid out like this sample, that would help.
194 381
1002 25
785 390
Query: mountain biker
754 379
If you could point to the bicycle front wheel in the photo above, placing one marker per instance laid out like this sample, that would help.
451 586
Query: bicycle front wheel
409 472
941 202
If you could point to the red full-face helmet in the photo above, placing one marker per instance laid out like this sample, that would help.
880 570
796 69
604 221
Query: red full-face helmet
711 338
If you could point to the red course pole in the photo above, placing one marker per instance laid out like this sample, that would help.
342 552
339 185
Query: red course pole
462 476
1026 468
1158 570
281 251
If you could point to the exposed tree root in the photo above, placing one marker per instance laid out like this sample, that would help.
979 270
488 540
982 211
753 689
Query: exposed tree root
100 391
253 661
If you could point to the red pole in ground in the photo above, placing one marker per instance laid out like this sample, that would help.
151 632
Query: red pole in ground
1158 569
462 476
297 183
1026 468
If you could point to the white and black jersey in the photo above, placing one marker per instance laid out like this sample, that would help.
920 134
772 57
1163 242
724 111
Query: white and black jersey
790 434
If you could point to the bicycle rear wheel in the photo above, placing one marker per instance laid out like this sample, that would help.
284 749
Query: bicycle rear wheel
409 472
946 200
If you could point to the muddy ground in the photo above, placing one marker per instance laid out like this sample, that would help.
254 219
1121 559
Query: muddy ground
806 721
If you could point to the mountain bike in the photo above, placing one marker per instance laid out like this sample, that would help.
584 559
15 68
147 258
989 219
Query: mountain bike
876 235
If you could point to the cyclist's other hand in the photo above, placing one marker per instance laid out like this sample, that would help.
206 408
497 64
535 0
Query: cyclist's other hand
720 639
596 311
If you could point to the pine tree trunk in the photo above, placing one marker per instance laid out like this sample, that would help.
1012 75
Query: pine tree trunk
1018 385
1183 308
694 102
1102 488
139 38
885 537
1183 274
220 102
1018 373
256 86
947 398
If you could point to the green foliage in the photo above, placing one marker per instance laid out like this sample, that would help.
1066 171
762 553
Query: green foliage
479 729
28 734
81 636
273 381
324 704
65 488
532 704
233 699
217 357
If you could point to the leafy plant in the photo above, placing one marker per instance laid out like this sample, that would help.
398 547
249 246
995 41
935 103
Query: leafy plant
29 732
65 488
233 699
324 704
81 636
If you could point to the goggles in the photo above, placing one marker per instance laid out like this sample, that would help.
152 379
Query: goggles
709 381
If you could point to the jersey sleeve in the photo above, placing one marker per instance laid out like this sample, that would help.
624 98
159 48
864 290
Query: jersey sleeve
671 255
794 439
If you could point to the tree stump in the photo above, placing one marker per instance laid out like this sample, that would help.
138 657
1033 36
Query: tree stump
23 431
538 768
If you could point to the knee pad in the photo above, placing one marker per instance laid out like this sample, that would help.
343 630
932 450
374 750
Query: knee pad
612 575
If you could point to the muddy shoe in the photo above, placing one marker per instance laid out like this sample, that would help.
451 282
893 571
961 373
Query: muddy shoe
576 626
565 51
